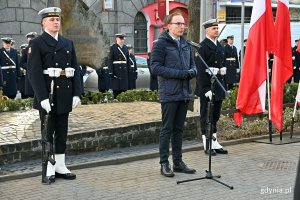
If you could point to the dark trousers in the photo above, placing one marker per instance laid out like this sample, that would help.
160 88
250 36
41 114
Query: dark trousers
58 127
117 92
203 114
173 117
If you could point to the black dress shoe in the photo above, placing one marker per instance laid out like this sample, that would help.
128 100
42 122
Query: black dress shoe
68 176
181 167
52 178
166 170
221 151
213 152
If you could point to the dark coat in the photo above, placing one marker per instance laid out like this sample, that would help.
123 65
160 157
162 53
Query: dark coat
103 78
82 72
118 72
153 78
46 52
23 64
10 76
231 64
296 64
170 63
132 74
214 56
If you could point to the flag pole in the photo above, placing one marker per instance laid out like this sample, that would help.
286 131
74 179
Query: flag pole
293 118
268 88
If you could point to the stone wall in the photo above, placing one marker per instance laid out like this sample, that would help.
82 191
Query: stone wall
98 140
19 17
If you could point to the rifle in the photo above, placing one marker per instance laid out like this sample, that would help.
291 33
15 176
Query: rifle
47 147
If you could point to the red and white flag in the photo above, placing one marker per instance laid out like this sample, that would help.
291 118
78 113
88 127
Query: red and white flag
282 68
252 89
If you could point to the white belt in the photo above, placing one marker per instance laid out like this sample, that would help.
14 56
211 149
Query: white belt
119 62
230 59
105 67
8 67
62 73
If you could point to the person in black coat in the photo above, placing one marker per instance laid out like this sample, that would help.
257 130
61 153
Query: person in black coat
231 63
52 59
153 77
23 65
9 63
22 73
296 62
213 54
132 73
82 72
118 65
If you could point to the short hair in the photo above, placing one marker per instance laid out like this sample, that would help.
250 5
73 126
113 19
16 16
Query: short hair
170 17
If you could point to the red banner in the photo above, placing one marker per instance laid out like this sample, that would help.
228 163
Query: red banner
162 9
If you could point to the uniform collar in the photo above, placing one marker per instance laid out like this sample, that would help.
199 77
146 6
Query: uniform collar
55 36
214 41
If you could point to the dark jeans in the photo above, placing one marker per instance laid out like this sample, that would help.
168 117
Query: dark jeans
173 117
58 128
203 114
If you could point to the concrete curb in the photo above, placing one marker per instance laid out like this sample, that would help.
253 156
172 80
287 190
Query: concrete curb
115 161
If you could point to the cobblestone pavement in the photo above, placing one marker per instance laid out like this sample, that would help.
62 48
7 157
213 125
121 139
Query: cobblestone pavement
22 126
256 170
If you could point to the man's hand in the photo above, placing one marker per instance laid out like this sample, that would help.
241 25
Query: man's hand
192 73
76 101
46 105
208 95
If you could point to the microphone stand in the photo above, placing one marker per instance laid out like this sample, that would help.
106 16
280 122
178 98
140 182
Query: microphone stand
209 175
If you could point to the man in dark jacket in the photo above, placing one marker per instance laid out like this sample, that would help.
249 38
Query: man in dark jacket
52 58
172 61
231 63
296 62
213 54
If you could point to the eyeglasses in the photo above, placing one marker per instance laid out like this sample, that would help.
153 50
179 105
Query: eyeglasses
179 23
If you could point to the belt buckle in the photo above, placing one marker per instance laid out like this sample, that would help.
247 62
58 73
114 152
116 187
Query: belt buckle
63 73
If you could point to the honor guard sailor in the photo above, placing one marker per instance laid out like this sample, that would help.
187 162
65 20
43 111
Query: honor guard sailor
53 57
231 63
118 65
23 64
10 68
132 73
213 54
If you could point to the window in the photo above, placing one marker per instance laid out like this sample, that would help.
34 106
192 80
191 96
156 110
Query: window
140 33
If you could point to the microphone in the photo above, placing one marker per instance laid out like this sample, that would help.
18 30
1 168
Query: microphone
194 44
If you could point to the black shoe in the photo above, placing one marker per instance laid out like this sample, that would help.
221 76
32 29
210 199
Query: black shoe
48 180
166 170
213 152
52 178
221 151
181 167
68 176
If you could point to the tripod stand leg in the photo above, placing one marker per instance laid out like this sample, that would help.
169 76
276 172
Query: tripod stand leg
230 187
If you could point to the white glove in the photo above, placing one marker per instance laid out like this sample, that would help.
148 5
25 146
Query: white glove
238 70
294 67
223 71
214 70
46 105
208 94
293 57
76 101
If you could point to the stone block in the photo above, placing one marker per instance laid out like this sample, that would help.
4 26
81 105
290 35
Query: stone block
3 4
38 5
113 17
124 18
137 4
20 14
7 15
128 29
31 15
19 3
129 9
27 27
